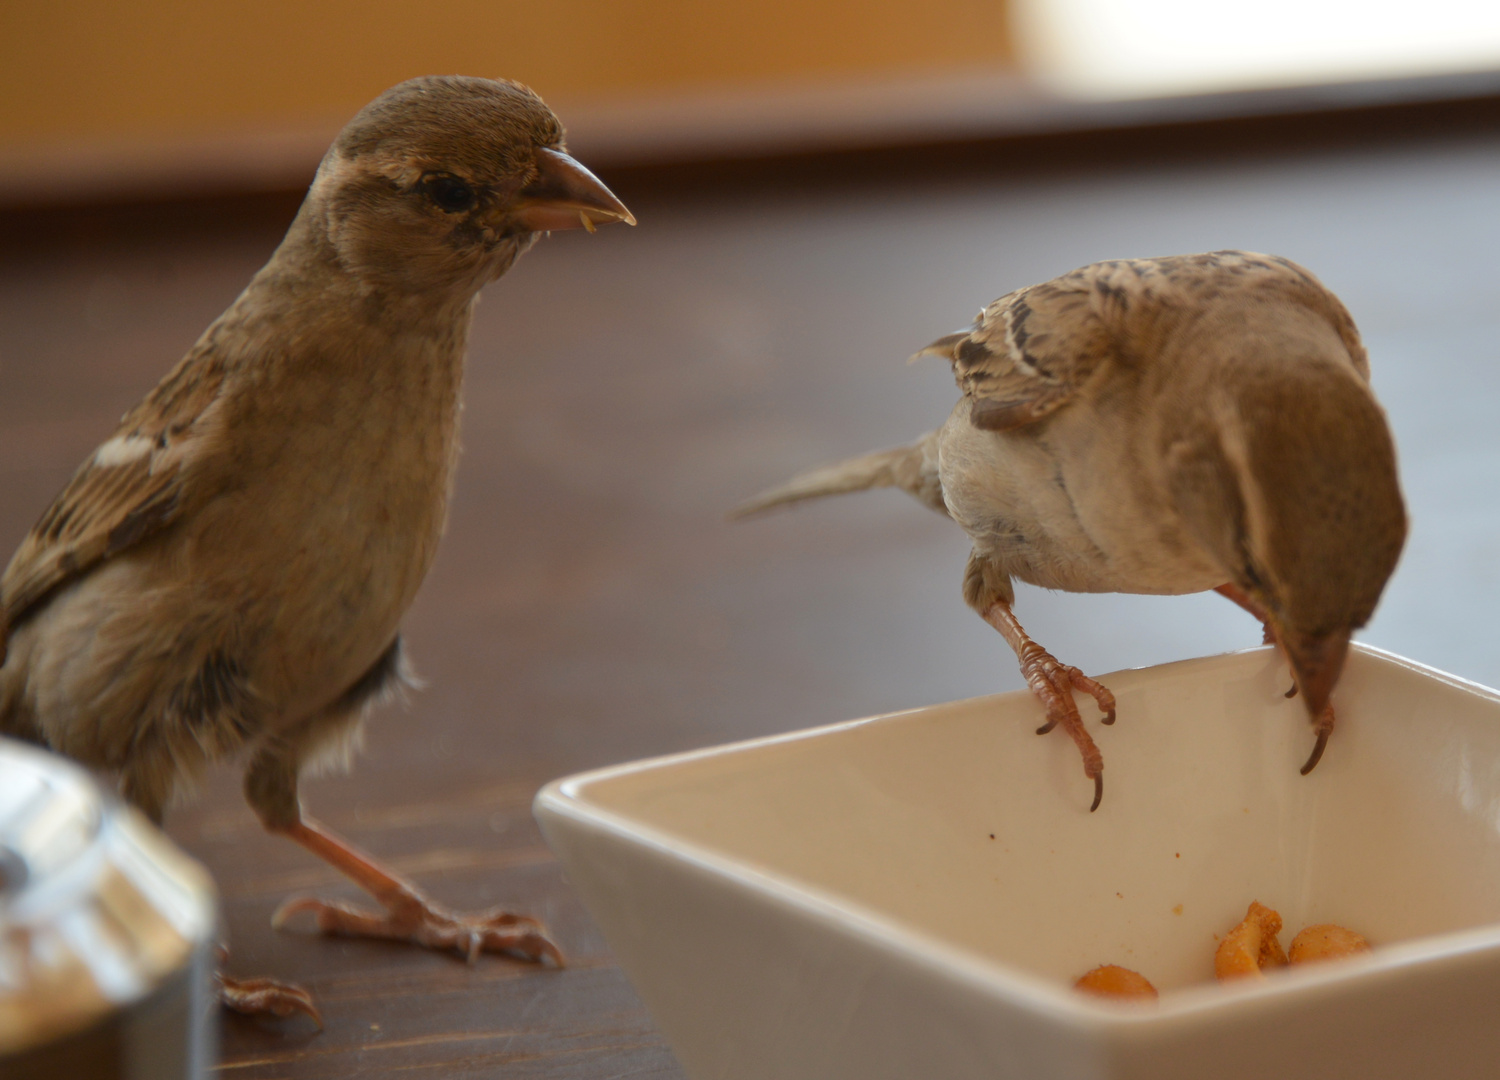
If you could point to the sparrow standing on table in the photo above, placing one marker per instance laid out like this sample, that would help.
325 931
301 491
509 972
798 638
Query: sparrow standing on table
1161 426
228 571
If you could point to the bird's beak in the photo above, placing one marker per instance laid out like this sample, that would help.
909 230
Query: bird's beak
1317 662
565 195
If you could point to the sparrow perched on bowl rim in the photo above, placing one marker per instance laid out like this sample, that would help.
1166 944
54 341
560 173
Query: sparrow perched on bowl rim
1167 425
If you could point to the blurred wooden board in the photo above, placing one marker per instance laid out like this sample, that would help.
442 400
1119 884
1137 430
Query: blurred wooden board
990 109
590 604
78 69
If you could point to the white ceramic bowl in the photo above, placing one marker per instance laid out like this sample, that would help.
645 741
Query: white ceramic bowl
910 897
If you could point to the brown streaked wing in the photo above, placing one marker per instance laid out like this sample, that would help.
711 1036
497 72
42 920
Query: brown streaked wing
1034 348
107 506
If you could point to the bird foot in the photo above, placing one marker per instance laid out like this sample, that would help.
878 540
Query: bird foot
266 997
1053 683
409 916
1322 728
1323 725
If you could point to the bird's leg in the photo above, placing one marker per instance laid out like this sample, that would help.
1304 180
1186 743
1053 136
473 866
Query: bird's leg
1267 631
409 915
1242 598
1323 723
1053 682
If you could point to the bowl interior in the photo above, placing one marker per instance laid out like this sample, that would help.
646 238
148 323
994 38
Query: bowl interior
960 822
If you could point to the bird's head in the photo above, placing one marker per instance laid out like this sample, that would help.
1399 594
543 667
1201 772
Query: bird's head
441 182
1289 480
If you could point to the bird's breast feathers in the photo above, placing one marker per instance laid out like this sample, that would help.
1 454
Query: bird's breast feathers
303 518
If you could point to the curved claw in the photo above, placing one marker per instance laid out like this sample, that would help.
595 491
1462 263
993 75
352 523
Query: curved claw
1324 728
1097 690
287 908
1317 753
261 997
537 947
1053 684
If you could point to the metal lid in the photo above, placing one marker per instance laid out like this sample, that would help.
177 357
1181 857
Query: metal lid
97 908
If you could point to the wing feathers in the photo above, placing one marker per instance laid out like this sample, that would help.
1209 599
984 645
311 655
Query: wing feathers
129 489
1033 350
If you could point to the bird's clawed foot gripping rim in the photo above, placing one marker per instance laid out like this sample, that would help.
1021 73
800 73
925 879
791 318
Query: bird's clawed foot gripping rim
1054 682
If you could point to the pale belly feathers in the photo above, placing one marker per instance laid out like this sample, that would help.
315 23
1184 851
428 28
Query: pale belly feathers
1049 508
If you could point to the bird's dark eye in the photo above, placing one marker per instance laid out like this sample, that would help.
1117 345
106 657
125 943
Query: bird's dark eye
448 192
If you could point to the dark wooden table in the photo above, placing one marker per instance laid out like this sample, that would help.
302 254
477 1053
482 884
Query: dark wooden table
590 604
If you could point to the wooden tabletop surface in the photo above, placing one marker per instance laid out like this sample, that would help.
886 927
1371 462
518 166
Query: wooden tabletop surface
590 604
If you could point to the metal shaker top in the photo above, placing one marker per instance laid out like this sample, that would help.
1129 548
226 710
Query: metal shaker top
97 908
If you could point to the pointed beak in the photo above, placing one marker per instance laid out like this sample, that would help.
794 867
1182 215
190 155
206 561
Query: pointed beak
1317 662
565 195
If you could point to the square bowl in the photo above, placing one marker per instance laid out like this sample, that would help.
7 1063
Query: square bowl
911 896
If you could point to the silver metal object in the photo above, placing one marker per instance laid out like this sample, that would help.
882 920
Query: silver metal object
106 934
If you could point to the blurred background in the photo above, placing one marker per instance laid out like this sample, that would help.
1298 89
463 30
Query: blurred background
822 187
102 99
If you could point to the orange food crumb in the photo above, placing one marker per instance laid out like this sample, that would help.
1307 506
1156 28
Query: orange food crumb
1325 942
1252 946
1112 980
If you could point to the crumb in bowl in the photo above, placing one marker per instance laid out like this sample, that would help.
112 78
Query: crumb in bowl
1247 951
1325 942
1252 946
1112 980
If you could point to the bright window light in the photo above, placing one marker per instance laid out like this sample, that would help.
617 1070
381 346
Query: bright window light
1141 48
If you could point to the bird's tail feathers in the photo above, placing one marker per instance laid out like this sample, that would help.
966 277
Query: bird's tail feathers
913 469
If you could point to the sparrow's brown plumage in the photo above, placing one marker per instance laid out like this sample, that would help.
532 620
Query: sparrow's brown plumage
1169 426
227 573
